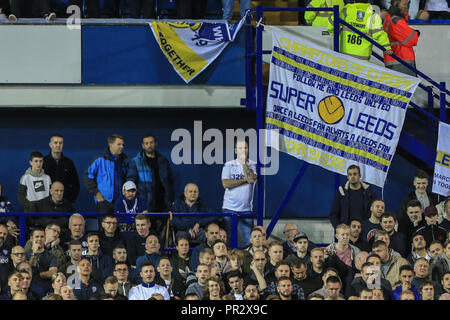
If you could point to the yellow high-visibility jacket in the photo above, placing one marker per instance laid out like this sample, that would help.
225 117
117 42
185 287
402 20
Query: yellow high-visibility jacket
362 17
320 18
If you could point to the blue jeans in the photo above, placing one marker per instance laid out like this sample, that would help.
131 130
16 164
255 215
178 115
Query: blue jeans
228 7
244 224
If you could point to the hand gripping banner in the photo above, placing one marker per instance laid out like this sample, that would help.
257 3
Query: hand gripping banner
333 110
191 47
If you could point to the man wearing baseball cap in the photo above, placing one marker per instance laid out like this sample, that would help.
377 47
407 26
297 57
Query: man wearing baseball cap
301 243
432 231
128 202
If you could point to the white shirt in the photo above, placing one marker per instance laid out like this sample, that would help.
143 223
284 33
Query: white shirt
436 5
144 293
239 198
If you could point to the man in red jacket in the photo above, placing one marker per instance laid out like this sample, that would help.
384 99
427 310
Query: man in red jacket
401 36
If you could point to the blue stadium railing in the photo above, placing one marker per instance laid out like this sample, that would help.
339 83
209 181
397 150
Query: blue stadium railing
408 142
234 220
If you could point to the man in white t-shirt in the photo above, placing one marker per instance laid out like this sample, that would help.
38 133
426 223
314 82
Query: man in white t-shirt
238 179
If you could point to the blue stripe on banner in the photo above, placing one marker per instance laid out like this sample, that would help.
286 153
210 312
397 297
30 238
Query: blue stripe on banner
330 136
374 97
329 149
342 74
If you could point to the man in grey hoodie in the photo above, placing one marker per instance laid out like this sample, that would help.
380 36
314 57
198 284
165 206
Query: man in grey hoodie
34 185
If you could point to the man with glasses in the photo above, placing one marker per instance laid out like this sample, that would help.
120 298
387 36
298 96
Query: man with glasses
120 255
17 256
110 235
256 244
52 232
121 272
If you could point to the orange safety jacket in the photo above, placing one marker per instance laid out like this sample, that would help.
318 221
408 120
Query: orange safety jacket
402 39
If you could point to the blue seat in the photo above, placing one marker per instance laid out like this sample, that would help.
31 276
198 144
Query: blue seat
59 7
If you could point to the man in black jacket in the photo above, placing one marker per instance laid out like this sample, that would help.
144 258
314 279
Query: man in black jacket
110 235
60 168
53 203
352 200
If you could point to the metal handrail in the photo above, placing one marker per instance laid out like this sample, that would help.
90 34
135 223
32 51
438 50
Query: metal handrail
234 217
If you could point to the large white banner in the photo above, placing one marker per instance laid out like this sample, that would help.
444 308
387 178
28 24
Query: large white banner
333 110
441 178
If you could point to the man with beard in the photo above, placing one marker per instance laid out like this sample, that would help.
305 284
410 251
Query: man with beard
397 239
151 173
371 225
356 238
283 270
300 277
251 292
285 289
75 251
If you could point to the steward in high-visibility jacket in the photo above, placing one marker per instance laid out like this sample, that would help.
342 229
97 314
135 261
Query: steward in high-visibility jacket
362 17
401 36
320 18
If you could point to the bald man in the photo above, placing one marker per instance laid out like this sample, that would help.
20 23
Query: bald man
55 202
191 227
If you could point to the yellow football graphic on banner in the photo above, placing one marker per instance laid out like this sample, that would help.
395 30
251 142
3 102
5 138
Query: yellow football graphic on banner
331 109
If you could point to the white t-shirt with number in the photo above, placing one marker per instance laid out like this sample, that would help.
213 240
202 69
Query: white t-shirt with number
239 198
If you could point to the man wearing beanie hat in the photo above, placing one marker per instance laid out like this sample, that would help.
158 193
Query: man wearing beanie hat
431 231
